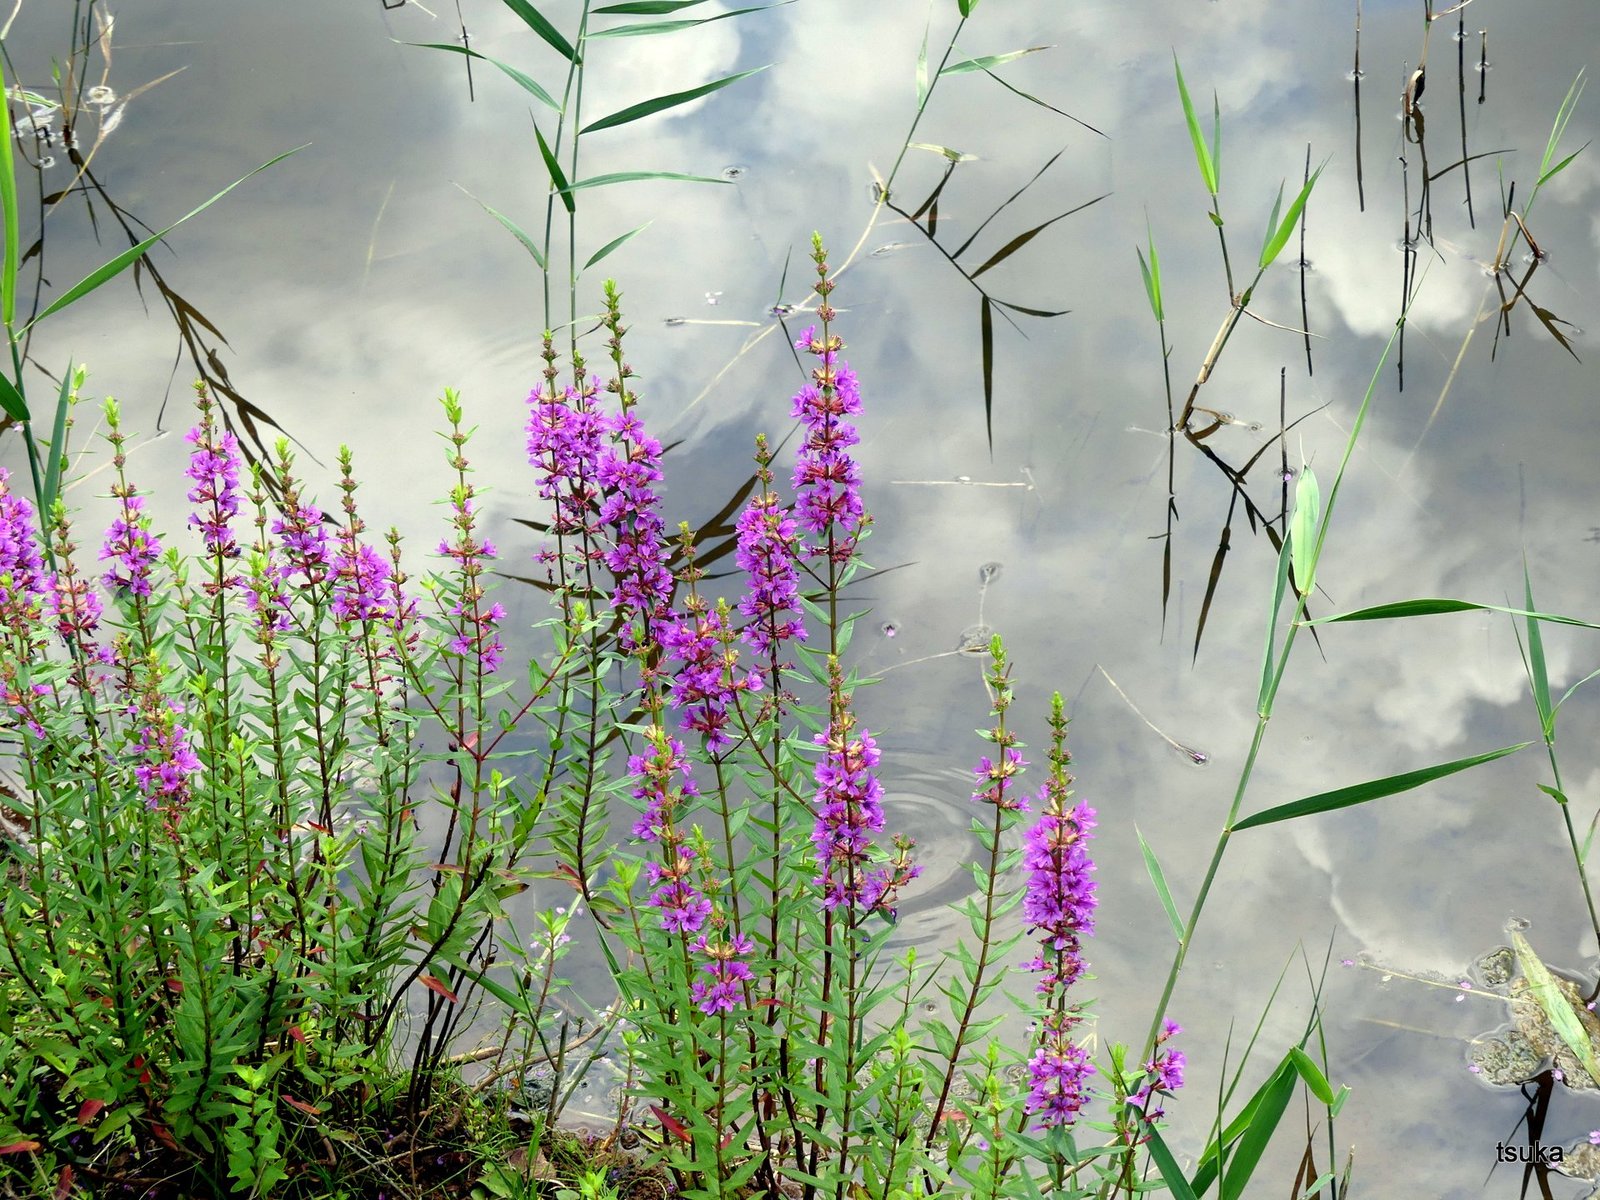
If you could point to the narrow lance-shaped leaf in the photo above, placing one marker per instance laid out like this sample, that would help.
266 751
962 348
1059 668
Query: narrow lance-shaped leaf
1202 154
512 228
613 244
1277 240
1375 789
534 20
1312 1074
1166 1165
1303 528
557 175
922 63
966 7
648 8
11 400
1547 991
647 108
132 255
1247 1156
58 434
986 336
636 176
1434 607
1151 270
1538 674
8 202
1280 585
523 80
646 28
1159 878
988 60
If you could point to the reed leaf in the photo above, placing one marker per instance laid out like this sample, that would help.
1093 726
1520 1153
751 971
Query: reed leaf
986 337
613 244
1538 672
988 60
513 229
523 80
649 27
1542 982
557 175
648 8
1159 878
1374 789
966 7
1312 1074
58 434
1303 530
132 255
1280 585
1151 270
646 108
1278 232
634 176
534 20
11 400
922 64
1433 607
1166 1165
8 202
1203 154
1274 1100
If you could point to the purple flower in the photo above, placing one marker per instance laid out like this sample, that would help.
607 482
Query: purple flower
728 976
996 780
305 545
768 544
168 763
683 908
1060 898
1163 1073
132 548
479 633
21 568
659 786
214 467
1058 1075
564 445
849 811
626 474
705 682
827 481
73 606
361 578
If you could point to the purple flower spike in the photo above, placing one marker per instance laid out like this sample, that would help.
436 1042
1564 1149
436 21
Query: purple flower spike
131 547
360 590
849 811
22 583
728 975
74 607
1163 1073
214 467
705 682
1060 898
827 481
1058 1076
627 474
768 546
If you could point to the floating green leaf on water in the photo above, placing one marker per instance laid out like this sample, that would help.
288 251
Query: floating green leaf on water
1557 1003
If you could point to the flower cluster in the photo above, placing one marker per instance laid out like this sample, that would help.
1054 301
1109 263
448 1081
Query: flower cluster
479 633
705 682
21 568
768 546
627 474
849 807
131 548
1163 1074
214 468
728 975
166 761
565 433
827 481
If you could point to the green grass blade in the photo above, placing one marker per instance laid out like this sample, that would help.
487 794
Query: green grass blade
130 256
922 63
1312 1074
613 244
646 28
58 433
11 400
646 108
532 18
1202 154
966 7
523 80
1558 129
1276 241
1280 585
1152 275
635 176
557 175
648 8
986 342
1566 695
1560 166
1538 673
1374 789
1171 1173
1303 528
1434 607
8 202
1263 1124
513 229
1555 1004
988 60
1158 877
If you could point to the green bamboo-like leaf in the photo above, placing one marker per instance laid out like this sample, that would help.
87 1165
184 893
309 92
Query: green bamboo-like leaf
1158 877
1569 104
613 244
1247 1155
1561 166
1279 586
11 400
8 202
523 80
1312 1074
986 338
513 229
966 7
1538 674
1151 271
536 22
1206 1171
130 256
1171 1173
646 108
646 28
1303 528
634 176
988 60
1277 240
1202 153
557 175
58 433
649 8
1433 607
1563 1019
1375 789
922 63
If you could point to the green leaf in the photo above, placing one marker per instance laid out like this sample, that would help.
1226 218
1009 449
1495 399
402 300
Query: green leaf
1538 674
8 202
646 108
1303 528
1280 585
534 21
523 80
966 7
1276 241
58 433
1151 271
1263 1124
1434 607
650 27
557 176
635 176
132 255
1556 1006
1312 1074
648 8
922 63
613 244
11 400
513 228
1375 789
1158 878
1202 153
1171 1173
988 60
